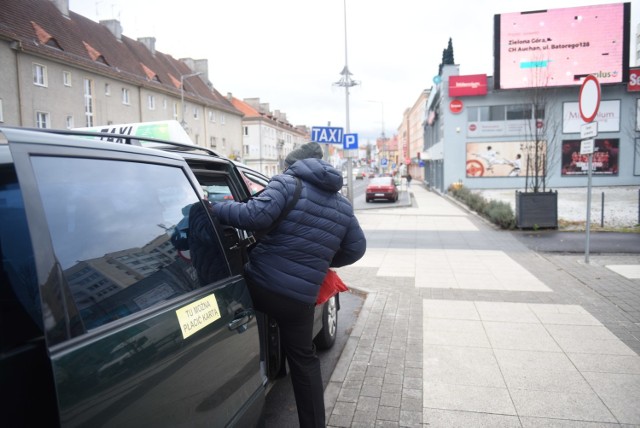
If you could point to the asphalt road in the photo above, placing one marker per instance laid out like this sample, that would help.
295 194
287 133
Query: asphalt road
280 408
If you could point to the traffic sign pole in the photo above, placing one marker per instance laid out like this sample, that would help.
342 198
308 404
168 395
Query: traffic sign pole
588 103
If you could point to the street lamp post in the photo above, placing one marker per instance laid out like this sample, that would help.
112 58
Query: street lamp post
347 83
383 137
182 77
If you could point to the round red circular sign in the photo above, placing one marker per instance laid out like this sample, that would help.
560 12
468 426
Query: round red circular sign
455 106
589 99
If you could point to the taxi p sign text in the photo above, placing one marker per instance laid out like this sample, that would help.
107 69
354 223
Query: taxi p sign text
350 141
326 134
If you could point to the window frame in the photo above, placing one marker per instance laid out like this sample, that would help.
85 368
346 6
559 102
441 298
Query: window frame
40 75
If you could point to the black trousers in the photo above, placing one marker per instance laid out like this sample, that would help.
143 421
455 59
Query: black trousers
295 322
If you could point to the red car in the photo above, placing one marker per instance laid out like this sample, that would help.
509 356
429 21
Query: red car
382 188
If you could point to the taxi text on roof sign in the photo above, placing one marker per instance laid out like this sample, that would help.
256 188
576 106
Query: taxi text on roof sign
325 134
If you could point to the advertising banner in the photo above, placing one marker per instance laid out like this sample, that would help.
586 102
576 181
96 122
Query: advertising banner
497 159
603 162
608 117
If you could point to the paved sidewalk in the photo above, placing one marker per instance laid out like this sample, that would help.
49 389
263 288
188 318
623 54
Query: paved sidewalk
464 326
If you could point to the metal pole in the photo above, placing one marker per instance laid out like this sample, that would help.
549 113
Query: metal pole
602 212
182 77
586 251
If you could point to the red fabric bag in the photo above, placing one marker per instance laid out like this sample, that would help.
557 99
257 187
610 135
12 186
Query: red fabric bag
331 286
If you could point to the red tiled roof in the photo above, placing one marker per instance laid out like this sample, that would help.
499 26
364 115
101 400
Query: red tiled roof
245 108
85 43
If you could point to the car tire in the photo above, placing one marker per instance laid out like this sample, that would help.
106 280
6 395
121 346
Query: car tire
327 336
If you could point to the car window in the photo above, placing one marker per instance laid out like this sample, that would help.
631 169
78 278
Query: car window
120 232
255 181
18 283
381 181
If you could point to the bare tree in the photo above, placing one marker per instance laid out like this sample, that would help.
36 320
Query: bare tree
541 132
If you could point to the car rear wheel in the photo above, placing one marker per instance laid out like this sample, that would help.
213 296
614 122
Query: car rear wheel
327 336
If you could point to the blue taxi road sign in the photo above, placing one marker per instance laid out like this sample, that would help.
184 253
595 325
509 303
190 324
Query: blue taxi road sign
350 141
325 134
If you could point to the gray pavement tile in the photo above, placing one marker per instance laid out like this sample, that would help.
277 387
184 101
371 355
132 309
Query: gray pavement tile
620 392
561 405
530 422
462 366
392 399
623 364
593 346
410 418
526 337
437 418
388 413
467 398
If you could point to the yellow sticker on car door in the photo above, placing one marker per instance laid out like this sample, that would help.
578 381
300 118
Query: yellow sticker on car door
197 315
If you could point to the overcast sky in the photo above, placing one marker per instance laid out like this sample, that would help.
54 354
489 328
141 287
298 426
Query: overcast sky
289 53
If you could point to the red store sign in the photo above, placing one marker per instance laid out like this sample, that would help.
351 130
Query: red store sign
455 106
471 85
634 80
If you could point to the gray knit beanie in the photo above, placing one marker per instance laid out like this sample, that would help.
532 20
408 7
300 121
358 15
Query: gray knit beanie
305 151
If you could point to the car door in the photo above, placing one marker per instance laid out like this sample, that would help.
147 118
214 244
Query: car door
137 334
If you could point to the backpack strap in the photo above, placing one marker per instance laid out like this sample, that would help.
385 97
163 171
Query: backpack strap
292 202
252 239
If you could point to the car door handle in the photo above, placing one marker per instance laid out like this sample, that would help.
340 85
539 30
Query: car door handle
240 323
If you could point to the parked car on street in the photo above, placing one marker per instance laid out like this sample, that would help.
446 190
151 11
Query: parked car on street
381 188
109 318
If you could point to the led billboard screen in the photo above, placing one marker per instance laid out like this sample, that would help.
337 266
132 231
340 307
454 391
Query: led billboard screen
559 47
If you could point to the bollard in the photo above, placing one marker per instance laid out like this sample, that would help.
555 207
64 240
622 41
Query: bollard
602 212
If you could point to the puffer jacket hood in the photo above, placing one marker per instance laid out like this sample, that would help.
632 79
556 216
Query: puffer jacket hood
320 231
317 172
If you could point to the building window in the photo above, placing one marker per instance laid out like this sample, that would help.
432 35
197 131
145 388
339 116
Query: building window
66 78
246 130
88 102
39 75
223 119
212 142
42 119
245 150
152 102
107 89
212 116
1 112
125 96
164 103
496 113
175 111
69 122
519 112
195 112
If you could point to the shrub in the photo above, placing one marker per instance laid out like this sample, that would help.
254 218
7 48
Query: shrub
501 214
497 212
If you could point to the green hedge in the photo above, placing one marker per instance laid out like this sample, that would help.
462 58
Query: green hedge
497 212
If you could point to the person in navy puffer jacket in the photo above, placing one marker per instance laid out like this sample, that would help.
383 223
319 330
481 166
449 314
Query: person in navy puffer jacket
285 269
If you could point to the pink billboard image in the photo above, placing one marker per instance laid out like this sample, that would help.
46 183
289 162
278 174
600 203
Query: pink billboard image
559 47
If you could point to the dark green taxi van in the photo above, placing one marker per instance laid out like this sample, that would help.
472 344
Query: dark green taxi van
108 315
105 320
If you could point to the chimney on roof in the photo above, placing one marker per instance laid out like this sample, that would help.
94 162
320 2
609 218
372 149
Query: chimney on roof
198 66
114 26
253 102
229 96
149 42
63 6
